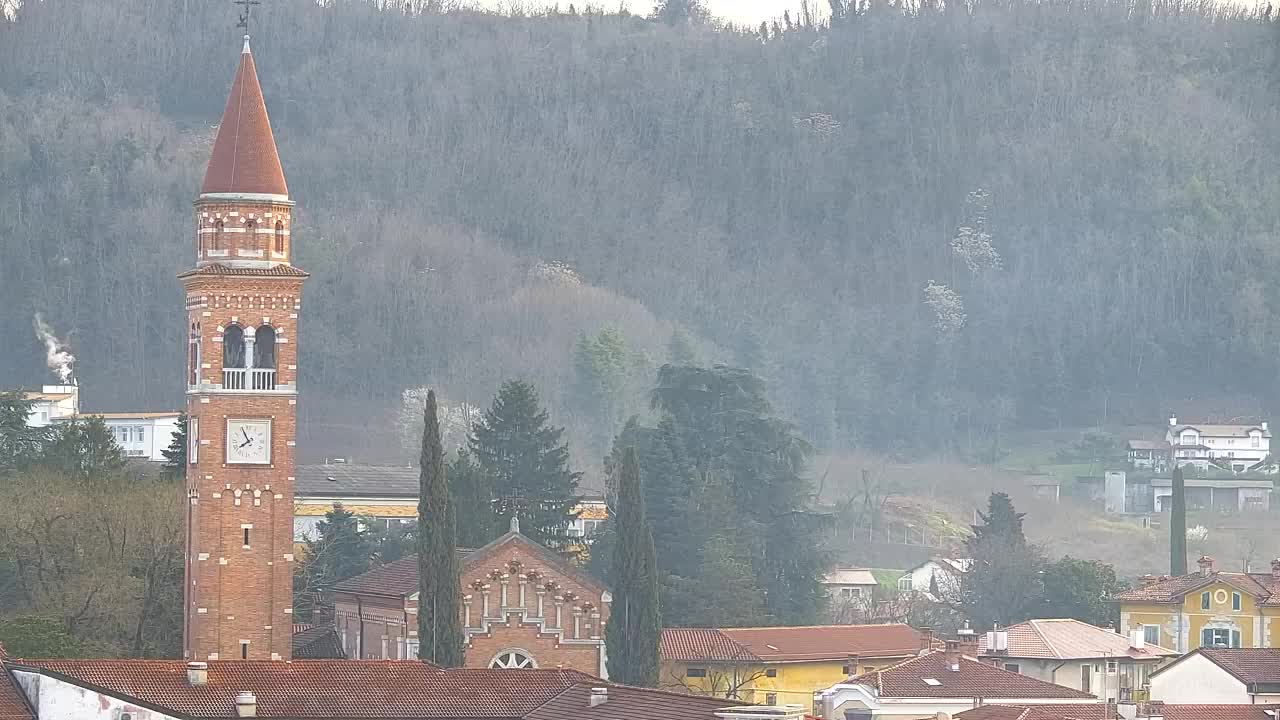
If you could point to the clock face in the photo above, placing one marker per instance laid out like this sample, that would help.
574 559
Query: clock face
248 442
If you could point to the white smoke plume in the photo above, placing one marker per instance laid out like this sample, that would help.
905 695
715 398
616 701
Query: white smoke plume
55 352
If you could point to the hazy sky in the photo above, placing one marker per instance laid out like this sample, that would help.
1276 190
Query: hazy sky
743 12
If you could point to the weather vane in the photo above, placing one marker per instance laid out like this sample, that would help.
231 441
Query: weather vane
244 16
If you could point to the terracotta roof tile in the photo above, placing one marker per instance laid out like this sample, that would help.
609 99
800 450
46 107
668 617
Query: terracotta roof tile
322 688
319 642
1105 712
244 158
629 703
1068 639
827 642
972 679
13 704
1172 589
220 269
702 644
1249 665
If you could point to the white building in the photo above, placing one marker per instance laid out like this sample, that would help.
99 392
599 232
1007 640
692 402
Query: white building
143 435
1236 447
849 584
1077 655
1247 676
939 575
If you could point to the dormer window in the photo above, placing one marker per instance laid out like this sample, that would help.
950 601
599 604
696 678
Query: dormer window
1188 438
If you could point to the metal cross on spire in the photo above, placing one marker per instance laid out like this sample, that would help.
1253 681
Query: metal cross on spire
244 16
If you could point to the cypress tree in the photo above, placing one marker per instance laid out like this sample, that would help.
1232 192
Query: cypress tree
1178 526
439 587
635 623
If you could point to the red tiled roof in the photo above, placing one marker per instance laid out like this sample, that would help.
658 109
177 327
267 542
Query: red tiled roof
244 158
826 642
1069 639
1248 665
702 644
220 269
1105 712
629 703
972 679
321 688
372 689
1173 589
13 704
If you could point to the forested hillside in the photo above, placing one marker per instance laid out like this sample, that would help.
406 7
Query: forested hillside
921 227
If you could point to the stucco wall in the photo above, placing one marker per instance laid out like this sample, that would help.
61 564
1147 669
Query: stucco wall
1197 680
57 700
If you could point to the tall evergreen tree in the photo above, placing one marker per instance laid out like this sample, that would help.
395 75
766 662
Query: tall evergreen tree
1178 525
526 463
1001 520
175 456
1003 584
440 634
20 444
635 622
472 502
84 448
340 549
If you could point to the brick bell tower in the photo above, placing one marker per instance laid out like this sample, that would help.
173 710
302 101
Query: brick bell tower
242 299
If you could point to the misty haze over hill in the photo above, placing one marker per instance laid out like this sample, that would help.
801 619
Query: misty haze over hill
925 229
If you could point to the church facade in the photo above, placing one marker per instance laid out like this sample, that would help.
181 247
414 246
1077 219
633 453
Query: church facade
243 297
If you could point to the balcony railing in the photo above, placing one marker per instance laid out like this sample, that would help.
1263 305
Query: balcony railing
248 379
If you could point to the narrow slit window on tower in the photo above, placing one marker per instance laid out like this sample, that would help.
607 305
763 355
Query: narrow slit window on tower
246 537
233 346
250 236
193 349
279 236
244 649
217 235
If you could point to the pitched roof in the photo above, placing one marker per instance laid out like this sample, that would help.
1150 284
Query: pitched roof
13 704
1219 430
1069 639
850 576
1173 589
1107 712
400 578
244 158
220 269
702 644
372 689
826 642
971 679
1252 666
344 480
1148 445
316 643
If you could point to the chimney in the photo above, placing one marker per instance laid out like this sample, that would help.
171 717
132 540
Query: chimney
1206 565
1264 425
926 640
1173 420
1275 568
852 664
968 640
1137 640
197 674
599 696
1002 641
951 655
246 705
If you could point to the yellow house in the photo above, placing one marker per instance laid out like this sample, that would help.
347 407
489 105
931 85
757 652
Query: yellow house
780 665
1205 609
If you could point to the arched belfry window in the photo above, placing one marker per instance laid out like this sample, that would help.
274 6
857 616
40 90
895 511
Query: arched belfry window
279 236
264 348
217 235
250 235
233 346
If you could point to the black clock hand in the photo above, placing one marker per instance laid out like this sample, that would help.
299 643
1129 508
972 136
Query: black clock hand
245 433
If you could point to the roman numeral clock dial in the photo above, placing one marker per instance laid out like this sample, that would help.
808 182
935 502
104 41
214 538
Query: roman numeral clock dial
248 442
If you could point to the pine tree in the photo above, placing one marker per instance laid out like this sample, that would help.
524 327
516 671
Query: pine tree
175 456
20 444
1000 520
340 549
635 622
1178 526
472 502
440 634
85 449
526 463
1003 584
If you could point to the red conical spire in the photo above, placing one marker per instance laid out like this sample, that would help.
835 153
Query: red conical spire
244 156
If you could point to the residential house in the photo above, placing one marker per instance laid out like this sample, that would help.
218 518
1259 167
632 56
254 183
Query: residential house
935 577
52 403
1150 455
1077 655
524 606
1208 608
849 585
1217 494
1220 675
1235 447
774 665
330 689
386 494
943 681
1122 711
